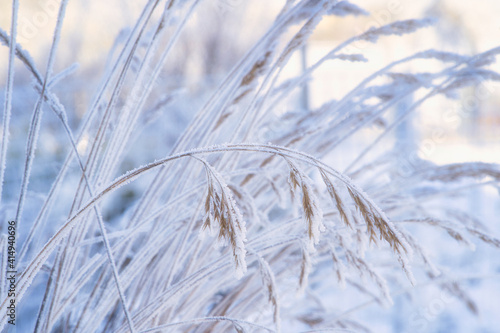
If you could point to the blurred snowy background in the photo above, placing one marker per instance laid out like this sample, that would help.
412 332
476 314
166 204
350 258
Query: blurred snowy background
441 131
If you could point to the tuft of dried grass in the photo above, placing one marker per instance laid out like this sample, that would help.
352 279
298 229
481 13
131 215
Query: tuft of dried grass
313 214
221 208
269 281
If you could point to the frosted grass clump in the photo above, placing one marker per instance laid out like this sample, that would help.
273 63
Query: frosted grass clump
294 244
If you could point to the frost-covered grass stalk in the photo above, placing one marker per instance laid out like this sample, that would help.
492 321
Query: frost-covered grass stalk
229 228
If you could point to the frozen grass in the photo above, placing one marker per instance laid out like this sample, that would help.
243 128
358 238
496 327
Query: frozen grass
228 232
